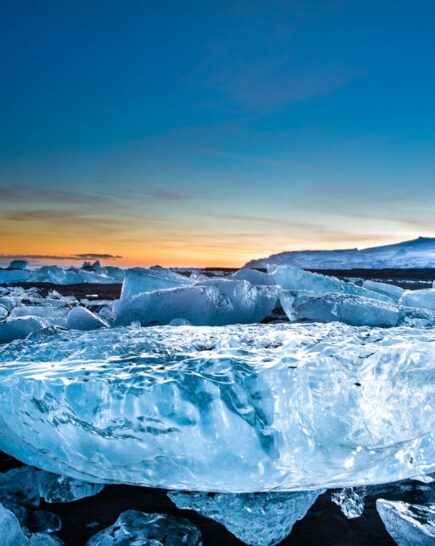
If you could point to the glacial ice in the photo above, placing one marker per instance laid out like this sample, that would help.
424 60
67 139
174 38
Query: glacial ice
139 280
80 318
18 264
55 316
43 539
232 409
213 302
422 299
14 275
349 309
20 328
350 501
295 279
54 488
134 527
10 530
408 524
3 312
253 276
387 289
258 519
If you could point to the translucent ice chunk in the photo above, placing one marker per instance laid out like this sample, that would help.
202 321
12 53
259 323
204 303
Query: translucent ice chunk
3 312
54 488
14 275
408 524
295 279
80 318
18 264
390 290
43 539
351 501
258 519
424 299
20 328
299 406
134 527
55 316
139 280
353 310
11 533
253 276
214 302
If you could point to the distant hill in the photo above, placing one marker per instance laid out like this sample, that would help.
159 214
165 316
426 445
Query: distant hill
408 254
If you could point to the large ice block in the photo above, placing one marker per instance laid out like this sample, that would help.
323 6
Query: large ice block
226 409
353 310
295 279
408 524
139 280
213 303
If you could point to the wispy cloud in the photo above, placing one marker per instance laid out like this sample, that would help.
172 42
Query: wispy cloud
169 195
28 194
56 257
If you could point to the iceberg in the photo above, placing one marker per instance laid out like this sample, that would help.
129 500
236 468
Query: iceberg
134 527
408 524
139 280
422 299
209 303
390 290
80 318
253 276
14 275
20 328
258 519
18 264
295 279
55 316
353 310
233 409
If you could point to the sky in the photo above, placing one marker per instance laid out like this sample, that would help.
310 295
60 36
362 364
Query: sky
206 133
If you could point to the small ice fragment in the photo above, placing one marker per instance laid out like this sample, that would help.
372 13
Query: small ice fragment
134 527
11 533
43 539
55 488
350 501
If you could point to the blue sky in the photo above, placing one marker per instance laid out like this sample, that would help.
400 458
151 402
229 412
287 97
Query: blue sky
198 133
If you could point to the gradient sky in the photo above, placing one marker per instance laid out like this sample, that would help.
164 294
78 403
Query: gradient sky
213 132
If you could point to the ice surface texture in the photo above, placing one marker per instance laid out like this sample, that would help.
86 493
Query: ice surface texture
224 409
408 524
134 527
258 519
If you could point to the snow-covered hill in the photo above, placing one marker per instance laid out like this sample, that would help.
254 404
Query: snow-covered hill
416 253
